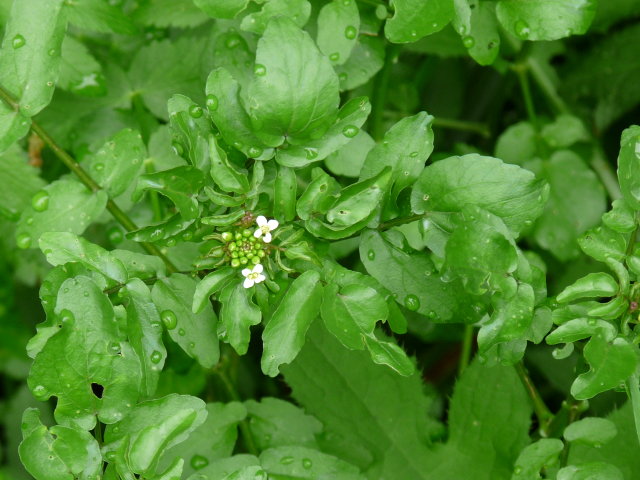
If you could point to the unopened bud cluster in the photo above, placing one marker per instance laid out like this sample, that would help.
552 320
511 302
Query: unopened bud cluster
241 248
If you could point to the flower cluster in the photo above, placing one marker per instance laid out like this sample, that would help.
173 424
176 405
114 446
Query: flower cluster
247 247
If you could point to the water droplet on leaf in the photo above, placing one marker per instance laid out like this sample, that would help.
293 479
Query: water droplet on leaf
311 153
260 70
23 240
342 77
40 201
211 102
350 32
115 235
468 42
198 462
334 57
181 332
350 131
195 111
286 460
307 463
521 29
254 152
169 319
18 41
39 391
411 302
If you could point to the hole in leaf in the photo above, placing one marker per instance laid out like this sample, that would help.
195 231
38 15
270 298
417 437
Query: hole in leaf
97 389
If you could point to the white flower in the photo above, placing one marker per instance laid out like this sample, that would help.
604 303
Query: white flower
253 276
264 228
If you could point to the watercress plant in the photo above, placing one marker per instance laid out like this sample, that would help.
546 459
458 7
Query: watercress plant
319 239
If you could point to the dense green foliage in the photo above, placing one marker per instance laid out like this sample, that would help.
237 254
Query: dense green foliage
319 239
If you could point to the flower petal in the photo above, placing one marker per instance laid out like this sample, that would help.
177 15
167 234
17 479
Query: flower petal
273 224
258 268
261 220
257 233
248 283
245 272
260 278
267 237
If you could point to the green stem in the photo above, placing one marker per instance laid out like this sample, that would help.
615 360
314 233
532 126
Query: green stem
380 89
546 84
244 425
97 432
467 344
463 126
605 172
523 79
399 221
542 411
633 390
154 197
88 181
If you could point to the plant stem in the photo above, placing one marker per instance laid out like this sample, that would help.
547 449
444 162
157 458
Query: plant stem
244 425
467 344
463 126
605 172
523 79
380 88
88 181
542 411
399 221
633 390
539 75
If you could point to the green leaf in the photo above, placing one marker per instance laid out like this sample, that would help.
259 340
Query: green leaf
212 283
284 194
100 16
602 244
367 58
237 315
140 265
565 131
20 182
389 354
180 185
405 148
545 19
319 195
348 160
294 93
13 126
226 111
190 129
598 284
350 118
338 28
507 191
152 427
594 431
580 328
296 10
576 203
169 13
587 471
162 69
620 218
517 143
58 453
621 451
629 166
80 72
475 21
162 232
284 335
305 463
195 333
61 206
481 251
414 19
213 440
611 364
30 57
86 352
224 174
412 278
144 332
64 247
383 429
221 8
537 456
359 200
276 423
351 312
510 320
220 469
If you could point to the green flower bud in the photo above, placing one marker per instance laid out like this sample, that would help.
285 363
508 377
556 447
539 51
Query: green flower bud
235 263
247 233
226 236
255 260
244 261
239 243
238 236
253 239
261 253
231 247
234 254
